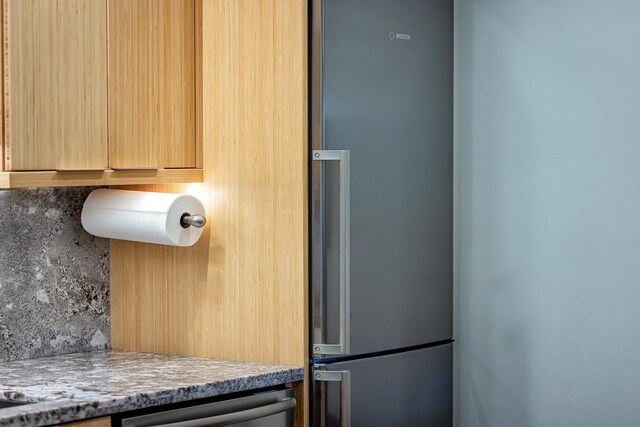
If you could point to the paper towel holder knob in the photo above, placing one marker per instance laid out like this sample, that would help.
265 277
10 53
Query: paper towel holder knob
187 220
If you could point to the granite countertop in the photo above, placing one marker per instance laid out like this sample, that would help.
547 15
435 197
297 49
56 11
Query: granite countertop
86 385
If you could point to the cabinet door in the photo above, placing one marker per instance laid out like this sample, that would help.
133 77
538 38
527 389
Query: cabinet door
95 422
152 84
55 75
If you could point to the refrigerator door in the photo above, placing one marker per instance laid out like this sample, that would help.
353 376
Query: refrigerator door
406 389
382 186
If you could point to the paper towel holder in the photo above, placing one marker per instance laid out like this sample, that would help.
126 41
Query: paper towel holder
187 220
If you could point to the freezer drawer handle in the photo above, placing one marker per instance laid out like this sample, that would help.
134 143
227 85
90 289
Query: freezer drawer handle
345 258
283 405
344 377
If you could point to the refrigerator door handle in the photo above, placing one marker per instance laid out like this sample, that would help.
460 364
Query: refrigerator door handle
344 377
345 218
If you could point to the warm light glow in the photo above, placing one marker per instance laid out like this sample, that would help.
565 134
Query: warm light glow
195 188
204 192
199 190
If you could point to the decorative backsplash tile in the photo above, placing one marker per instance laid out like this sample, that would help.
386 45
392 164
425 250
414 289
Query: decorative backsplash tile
54 276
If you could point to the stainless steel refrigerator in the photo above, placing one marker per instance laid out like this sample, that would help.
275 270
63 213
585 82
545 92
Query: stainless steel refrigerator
381 212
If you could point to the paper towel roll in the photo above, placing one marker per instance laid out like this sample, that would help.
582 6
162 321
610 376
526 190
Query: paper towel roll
141 216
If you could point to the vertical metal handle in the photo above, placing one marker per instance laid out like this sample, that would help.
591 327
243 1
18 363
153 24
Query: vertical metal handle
344 377
345 286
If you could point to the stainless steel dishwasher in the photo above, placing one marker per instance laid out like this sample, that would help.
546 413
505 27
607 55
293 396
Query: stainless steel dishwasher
265 409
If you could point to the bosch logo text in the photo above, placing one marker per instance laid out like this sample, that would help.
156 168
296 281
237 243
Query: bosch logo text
399 36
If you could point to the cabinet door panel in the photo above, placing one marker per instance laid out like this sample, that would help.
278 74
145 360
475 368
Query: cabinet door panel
95 422
152 83
55 84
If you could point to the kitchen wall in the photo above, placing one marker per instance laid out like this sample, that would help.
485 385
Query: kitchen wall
54 277
548 212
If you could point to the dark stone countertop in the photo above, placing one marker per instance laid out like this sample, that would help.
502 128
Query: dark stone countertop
93 384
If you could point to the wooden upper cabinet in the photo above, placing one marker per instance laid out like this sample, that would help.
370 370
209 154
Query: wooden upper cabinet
55 77
100 92
152 83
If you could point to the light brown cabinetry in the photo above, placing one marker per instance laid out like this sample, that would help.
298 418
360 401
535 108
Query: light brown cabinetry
152 84
102 89
241 291
96 422
56 84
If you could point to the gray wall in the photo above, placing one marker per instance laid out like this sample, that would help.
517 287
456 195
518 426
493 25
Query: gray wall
54 277
548 212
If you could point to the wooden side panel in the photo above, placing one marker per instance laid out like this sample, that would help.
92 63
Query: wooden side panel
152 83
96 422
240 292
55 76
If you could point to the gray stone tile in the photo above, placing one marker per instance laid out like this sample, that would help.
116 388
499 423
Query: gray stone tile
54 276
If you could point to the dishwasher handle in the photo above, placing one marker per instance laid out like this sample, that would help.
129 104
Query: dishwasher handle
282 405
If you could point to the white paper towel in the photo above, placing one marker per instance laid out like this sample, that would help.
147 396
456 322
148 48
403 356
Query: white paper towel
141 216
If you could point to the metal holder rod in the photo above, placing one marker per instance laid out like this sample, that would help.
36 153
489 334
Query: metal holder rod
187 220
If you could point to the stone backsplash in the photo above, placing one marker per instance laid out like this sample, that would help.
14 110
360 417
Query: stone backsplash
54 276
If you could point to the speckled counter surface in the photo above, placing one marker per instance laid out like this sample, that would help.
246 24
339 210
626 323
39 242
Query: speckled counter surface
86 385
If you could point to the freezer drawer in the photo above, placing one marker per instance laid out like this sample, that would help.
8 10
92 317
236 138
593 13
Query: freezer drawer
412 389
267 409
